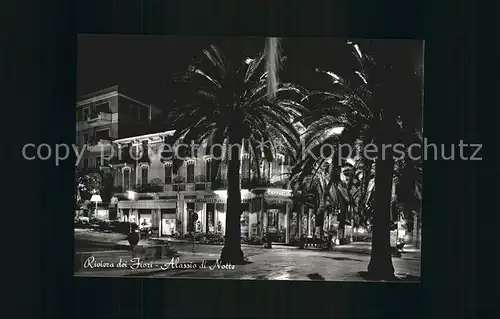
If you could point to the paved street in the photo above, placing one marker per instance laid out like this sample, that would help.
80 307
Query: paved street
273 264
285 264
278 263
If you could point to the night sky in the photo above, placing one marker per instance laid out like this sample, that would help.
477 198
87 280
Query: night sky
143 65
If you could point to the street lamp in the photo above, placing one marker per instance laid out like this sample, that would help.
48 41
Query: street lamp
131 195
97 199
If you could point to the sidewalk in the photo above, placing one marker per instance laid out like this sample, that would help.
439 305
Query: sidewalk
366 248
267 264
155 241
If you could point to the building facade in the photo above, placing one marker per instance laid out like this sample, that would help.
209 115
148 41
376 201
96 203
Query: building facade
193 199
104 116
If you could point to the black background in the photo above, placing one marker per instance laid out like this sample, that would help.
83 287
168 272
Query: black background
41 90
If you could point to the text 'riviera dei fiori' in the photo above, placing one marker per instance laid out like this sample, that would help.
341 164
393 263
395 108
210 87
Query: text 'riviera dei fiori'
174 263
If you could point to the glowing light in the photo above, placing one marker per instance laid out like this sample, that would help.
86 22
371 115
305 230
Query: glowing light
358 50
221 193
96 198
131 195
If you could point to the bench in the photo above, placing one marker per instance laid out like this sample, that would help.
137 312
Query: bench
313 243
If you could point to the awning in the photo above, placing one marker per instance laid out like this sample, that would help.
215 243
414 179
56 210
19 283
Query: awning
208 200
147 204
280 200
214 200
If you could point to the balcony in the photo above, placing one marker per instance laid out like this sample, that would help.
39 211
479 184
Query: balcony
97 145
250 184
179 187
179 184
148 188
138 188
97 119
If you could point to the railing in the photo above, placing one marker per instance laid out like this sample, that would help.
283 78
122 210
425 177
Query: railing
97 144
178 187
94 120
149 188
198 186
101 116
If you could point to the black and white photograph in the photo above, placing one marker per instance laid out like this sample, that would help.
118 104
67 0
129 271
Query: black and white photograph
249 158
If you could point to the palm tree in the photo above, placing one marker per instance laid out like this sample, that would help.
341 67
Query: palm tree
227 101
378 100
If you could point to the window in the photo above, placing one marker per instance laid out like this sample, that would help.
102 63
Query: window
134 112
136 151
85 138
245 166
208 170
168 174
85 163
102 135
86 113
210 216
144 175
98 162
190 173
143 113
126 179
191 217
102 108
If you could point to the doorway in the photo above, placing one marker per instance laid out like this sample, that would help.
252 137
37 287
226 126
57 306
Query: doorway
210 220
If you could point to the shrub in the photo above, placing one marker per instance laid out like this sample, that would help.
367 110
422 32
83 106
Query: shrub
214 238
254 240
103 225
199 236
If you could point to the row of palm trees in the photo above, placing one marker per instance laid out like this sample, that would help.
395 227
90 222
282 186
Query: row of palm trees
231 94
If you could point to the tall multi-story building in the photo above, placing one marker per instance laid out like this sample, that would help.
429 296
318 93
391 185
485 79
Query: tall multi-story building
193 199
106 115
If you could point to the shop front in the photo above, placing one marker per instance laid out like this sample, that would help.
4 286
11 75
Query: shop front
211 213
274 221
168 225
168 218
270 214
157 215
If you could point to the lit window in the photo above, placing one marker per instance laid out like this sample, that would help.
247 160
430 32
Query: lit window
126 178
168 174
190 173
144 175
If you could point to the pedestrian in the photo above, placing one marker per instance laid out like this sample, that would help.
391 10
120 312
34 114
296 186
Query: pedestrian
145 228
302 241
133 237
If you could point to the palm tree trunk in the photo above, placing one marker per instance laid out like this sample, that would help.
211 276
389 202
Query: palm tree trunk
342 217
319 221
231 253
272 65
320 217
380 266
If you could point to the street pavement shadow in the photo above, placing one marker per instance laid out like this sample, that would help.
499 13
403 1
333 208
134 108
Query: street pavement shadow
399 278
342 258
208 263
